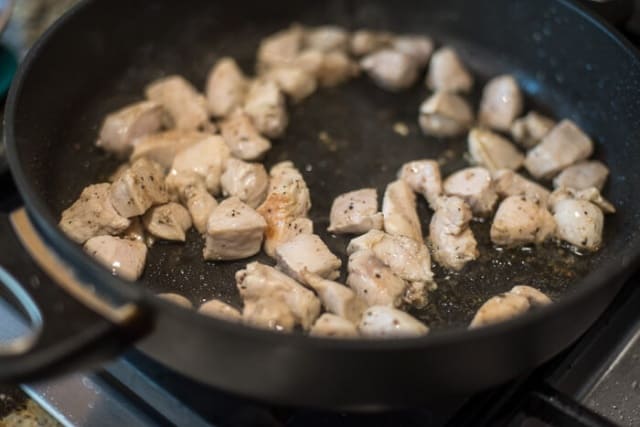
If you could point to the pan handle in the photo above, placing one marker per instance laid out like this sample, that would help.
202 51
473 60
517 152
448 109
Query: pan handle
71 327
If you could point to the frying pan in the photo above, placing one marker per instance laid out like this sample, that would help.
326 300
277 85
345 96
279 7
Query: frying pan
100 56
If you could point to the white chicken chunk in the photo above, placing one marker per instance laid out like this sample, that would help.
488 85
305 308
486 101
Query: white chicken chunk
445 114
187 107
176 299
355 212
234 231
332 326
195 197
563 146
125 258
242 137
162 147
326 38
269 313
295 82
474 185
312 61
448 73
399 210
506 306
307 252
536 298
492 151
280 48
334 68
336 297
135 231
391 69
247 181
589 194
365 41
169 222
221 310
583 175
579 222
452 241
423 176
120 128
530 129
373 281
501 103
226 87
419 48
388 322
508 183
265 104
206 159
138 188
520 221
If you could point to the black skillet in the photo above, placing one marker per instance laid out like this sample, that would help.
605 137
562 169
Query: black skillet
99 57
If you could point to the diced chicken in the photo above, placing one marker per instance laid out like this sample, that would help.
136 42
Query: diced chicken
530 129
242 137
162 147
445 114
448 73
234 231
295 82
423 176
583 175
563 146
125 258
520 221
221 310
492 151
508 183
311 61
355 212
280 48
258 282
579 222
535 297
118 172
92 215
247 181
501 103
206 159
419 48
452 240
265 104
391 69
195 197
332 326
474 185
399 210
226 87
388 322
169 222
589 194
326 38
335 297
509 305
373 281
269 313
334 68
135 231
307 252
364 42
138 188
187 107
176 299
120 128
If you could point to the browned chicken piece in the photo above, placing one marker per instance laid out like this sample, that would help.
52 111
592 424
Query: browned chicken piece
448 73
399 210
334 68
583 175
336 297
295 82
226 87
247 181
221 310
259 282
588 194
138 188
162 147
326 38
234 231
445 114
373 281
169 222
536 298
265 105
307 252
206 159
176 299
365 41
391 69
92 215
452 241
423 177
563 146
530 129
195 197
355 212
331 326
120 128
474 185
242 137
501 103
125 258
281 48
388 322
187 107
419 48
509 183
269 313
508 305
520 221
492 151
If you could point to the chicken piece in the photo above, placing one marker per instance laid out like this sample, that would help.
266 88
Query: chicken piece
445 114
234 231
501 103
335 297
295 82
281 48
373 281
221 310
335 68
310 61
579 222
307 252
247 181
474 185
206 159
135 231
195 197
326 38
265 105
423 177
226 87
332 326
187 107
535 297
242 137
508 183
589 194
258 281
125 258
563 146
176 299
162 147
419 48
269 313
499 309
583 175
169 222
399 210
355 212
452 240
388 322
492 151
530 129
364 42
520 221
121 169
138 188
448 73
391 69
92 215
